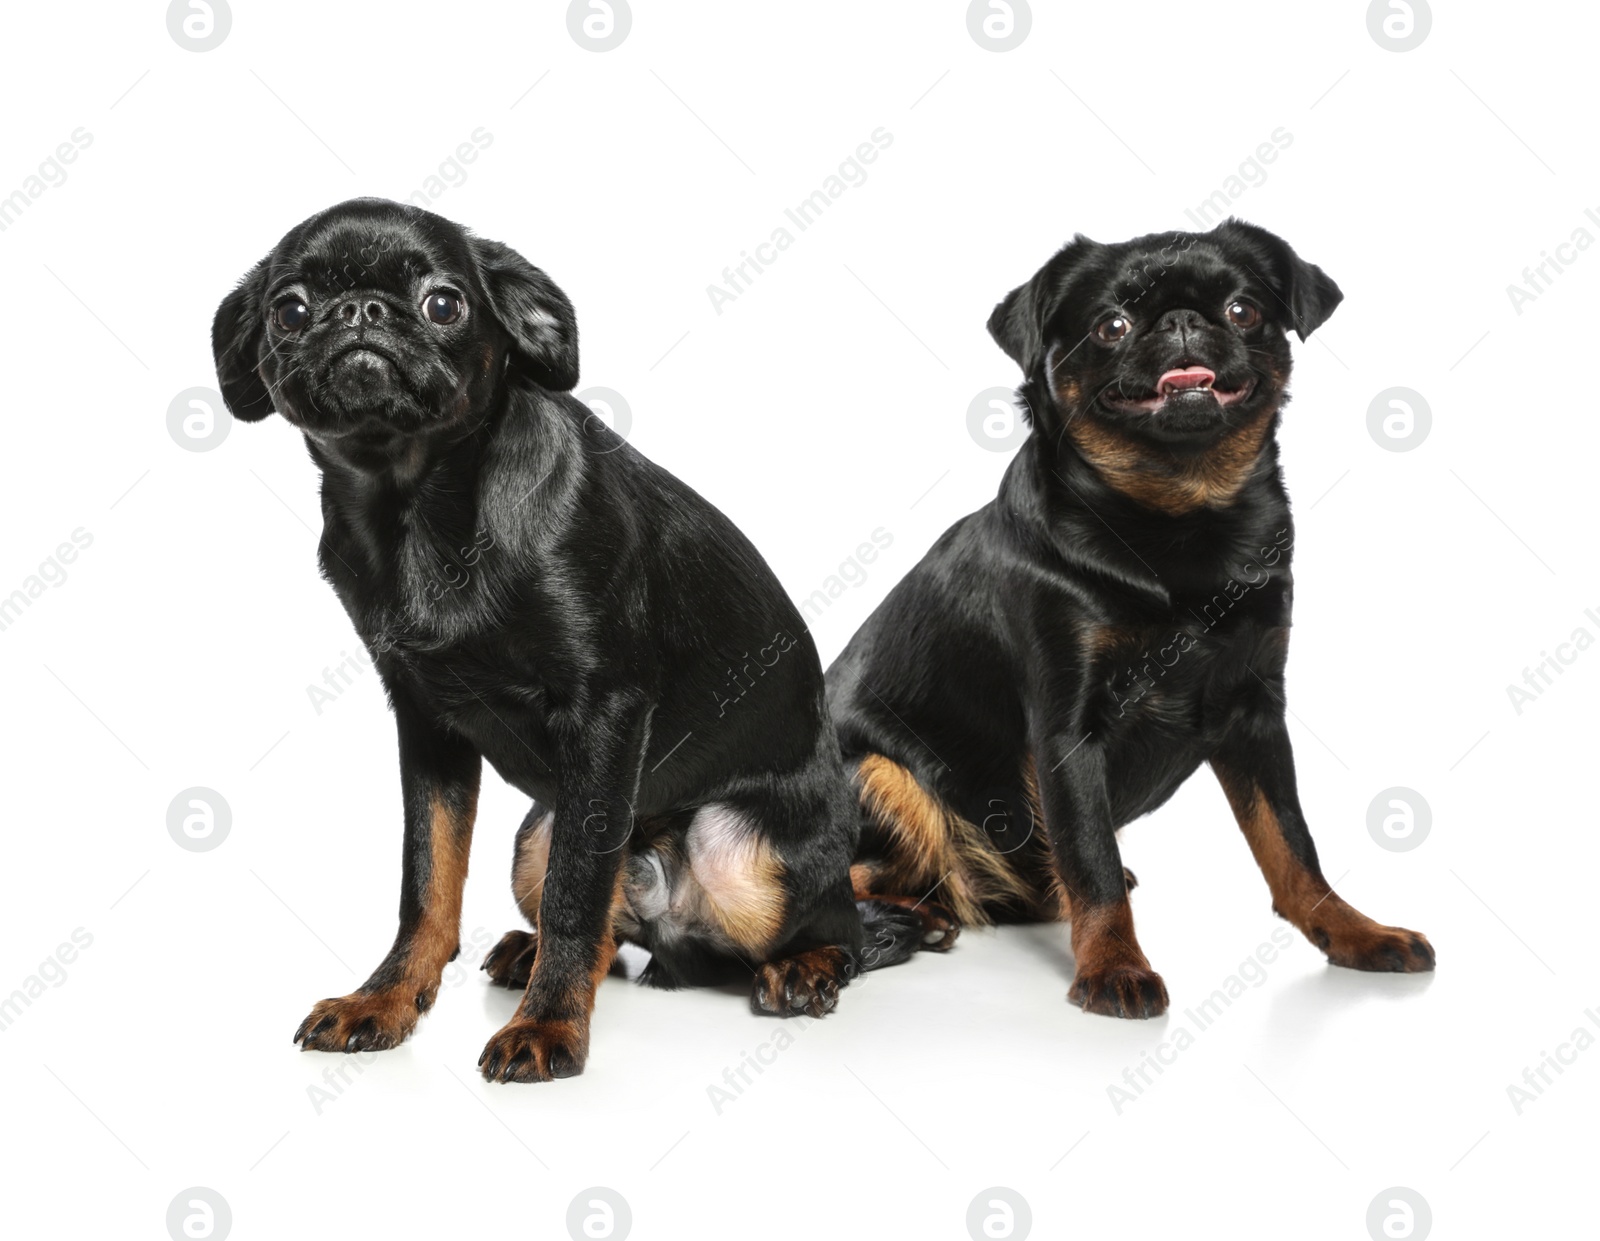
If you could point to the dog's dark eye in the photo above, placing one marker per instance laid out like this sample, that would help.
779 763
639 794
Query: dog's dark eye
291 315
442 306
1243 314
1113 329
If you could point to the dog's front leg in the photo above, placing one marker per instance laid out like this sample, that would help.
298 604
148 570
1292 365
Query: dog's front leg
1113 976
1255 766
439 774
548 1036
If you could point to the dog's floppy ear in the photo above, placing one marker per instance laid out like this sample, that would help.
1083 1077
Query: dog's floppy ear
1014 324
236 347
1017 323
535 314
1305 292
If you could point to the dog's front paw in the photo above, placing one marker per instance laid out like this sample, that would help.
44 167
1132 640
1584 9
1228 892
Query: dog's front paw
510 962
1120 991
363 1021
535 1051
1383 949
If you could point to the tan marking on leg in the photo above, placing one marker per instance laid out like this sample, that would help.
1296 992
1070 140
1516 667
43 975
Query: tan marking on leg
439 932
1306 899
531 865
1113 975
383 1016
1103 937
1295 890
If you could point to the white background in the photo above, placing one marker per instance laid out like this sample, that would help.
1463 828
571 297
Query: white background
827 401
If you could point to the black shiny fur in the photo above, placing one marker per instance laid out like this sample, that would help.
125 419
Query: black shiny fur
534 591
1115 642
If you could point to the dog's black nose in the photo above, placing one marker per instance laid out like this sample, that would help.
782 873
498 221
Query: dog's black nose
1181 323
354 310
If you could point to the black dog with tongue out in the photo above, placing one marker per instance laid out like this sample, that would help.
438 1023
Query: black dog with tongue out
1065 657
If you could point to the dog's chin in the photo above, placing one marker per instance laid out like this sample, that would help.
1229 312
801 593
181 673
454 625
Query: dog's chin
360 382
360 411
361 393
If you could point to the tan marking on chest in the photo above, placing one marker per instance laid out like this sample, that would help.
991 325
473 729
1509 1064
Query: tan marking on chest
1168 482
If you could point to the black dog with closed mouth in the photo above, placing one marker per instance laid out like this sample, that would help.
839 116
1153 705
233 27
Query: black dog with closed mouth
1065 657
536 593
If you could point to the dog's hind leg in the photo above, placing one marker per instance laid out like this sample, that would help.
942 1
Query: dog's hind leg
921 856
888 919
548 1036
510 962
807 983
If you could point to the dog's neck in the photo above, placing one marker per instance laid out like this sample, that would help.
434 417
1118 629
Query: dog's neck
369 503
1171 482
1127 523
404 464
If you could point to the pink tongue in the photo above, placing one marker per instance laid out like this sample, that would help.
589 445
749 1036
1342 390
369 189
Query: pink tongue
1188 377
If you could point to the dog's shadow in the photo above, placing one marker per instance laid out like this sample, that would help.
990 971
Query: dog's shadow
1300 1011
1303 1008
